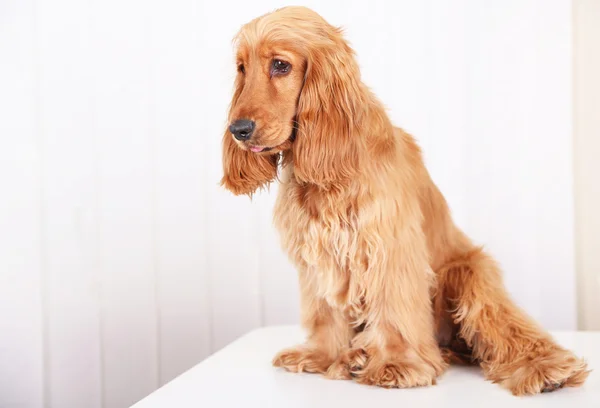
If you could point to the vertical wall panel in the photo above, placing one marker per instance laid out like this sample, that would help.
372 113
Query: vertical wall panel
125 147
519 148
498 104
21 329
445 147
586 32
233 258
182 274
279 292
70 239
553 182
395 59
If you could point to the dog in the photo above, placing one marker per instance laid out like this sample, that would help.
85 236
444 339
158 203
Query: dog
391 289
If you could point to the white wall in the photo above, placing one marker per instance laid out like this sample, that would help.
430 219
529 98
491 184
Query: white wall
122 263
587 166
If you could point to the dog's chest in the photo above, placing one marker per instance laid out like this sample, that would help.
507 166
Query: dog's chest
321 236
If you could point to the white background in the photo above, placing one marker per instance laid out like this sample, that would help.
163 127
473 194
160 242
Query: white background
122 263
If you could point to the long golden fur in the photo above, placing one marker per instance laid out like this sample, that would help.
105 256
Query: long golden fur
391 289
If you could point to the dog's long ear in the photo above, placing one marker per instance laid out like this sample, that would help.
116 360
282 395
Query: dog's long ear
243 171
329 113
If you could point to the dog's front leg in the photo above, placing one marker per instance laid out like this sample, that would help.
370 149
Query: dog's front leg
399 340
329 334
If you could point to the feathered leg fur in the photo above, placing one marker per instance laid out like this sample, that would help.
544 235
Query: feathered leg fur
512 349
329 334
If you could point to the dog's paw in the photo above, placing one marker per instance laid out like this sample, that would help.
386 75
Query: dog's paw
303 358
347 363
396 373
540 372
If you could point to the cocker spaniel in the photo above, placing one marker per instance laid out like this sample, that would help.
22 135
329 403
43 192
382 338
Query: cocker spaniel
391 289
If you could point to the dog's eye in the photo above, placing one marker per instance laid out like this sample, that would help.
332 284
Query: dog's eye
241 68
280 67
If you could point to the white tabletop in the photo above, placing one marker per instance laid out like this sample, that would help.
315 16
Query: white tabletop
241 375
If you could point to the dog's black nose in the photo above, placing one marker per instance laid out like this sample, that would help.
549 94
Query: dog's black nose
242 129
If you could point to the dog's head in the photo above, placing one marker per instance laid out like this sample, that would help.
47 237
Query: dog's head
297 91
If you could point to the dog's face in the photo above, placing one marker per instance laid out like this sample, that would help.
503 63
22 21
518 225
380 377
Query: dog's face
269 82
297 90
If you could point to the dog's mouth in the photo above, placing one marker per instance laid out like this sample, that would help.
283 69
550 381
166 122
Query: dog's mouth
262 149
259 149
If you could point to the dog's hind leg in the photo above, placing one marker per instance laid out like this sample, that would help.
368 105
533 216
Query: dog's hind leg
513 350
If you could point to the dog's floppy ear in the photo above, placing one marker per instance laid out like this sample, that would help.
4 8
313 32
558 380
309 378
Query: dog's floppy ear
243 171
329 111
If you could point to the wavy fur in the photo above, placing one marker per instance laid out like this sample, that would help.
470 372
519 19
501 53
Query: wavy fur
391 289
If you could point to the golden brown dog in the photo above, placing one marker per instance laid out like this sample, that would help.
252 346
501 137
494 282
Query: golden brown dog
391 289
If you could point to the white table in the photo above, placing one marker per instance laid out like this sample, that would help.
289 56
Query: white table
241 375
